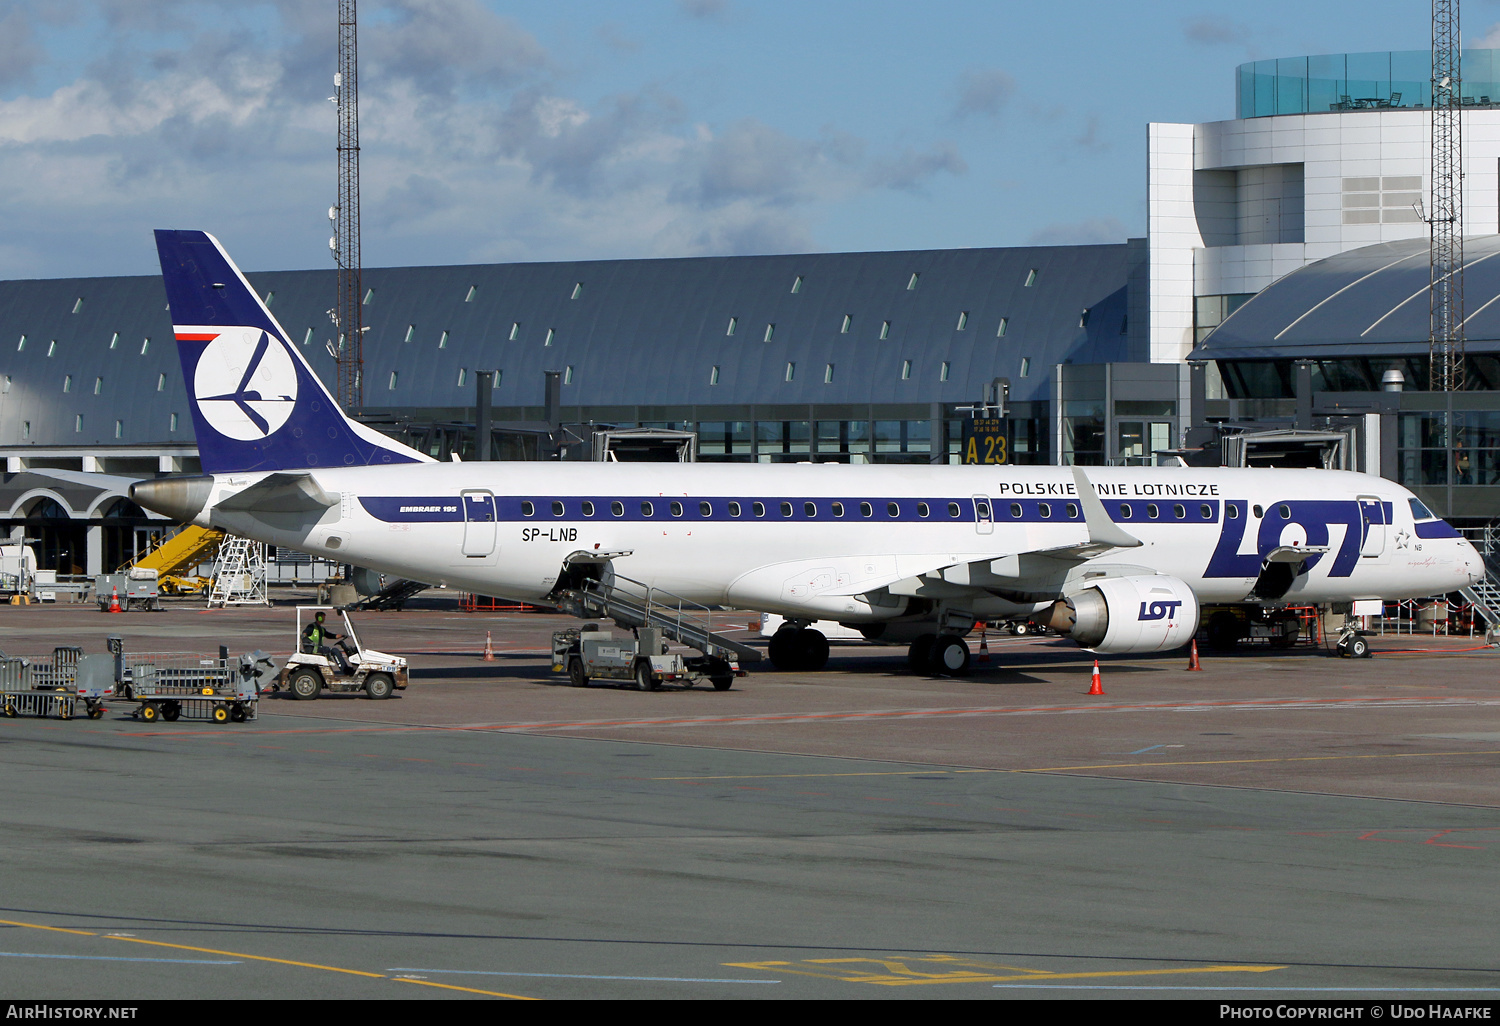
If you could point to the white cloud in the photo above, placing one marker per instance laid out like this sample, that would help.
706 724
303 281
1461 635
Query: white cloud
1090 231
469 149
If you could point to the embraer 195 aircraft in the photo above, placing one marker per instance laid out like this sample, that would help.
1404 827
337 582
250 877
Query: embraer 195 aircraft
1119 559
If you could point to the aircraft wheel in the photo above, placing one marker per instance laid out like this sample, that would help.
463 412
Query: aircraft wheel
645 680
307 685
1020 627
812 650
379 685
919 655
576 676
950 655
782 648
1356 648
1223 631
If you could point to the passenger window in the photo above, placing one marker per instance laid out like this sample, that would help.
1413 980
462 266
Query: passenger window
587 507
647 509
892 510
953 510
1124 511
1152 511
758 508
1179 512
527 509
1233 510
786 509
557 509
705 510
677 509
1015 510
810 508
1206 511
1072 511
982 509
922 509
1285 511
1045 510
866 510
734 509
838 509
1258 512
617 508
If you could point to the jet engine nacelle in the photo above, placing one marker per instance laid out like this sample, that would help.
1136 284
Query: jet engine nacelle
1152 613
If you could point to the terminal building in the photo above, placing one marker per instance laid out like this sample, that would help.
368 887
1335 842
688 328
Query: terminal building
1282 277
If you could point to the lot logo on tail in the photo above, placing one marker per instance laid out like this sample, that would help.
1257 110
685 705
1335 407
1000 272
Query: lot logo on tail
245 383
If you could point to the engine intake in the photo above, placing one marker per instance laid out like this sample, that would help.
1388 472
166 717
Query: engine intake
1129 614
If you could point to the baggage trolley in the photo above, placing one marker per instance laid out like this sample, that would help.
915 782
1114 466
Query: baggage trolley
176 686
74 683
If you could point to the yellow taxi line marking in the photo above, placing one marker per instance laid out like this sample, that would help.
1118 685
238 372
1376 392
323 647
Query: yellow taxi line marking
54 929
261 958
1094 766
910 977
257 958
466 990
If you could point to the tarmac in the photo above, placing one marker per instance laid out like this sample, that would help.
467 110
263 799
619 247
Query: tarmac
1281 824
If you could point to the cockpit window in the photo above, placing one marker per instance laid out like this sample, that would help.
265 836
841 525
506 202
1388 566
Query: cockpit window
1419 511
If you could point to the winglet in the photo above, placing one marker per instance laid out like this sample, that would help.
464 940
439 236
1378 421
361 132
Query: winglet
1103 531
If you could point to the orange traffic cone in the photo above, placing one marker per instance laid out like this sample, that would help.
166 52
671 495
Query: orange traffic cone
1096 686
489 648
1193 663
114 601
984 646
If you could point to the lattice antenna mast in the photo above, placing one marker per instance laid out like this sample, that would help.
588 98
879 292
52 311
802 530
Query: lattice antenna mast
346 312
1445 346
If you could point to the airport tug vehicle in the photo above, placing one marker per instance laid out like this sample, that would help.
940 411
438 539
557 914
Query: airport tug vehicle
588 653
307 673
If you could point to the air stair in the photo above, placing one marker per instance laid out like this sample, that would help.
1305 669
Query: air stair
392 595
173 558
239 574
631 603
1484 594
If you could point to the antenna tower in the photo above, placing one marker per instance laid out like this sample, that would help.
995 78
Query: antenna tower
1445 345
346 313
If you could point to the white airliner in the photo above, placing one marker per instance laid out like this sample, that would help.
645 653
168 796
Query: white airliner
1119 558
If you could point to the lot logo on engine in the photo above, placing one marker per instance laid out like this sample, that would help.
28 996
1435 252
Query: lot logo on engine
1159 610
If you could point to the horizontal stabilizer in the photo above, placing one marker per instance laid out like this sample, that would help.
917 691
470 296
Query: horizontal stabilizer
281 493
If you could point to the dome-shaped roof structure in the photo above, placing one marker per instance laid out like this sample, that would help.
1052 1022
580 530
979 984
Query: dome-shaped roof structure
1370 301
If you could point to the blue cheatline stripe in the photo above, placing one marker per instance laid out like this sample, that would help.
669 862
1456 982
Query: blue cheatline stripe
575 976
1270 990
107 958
659 508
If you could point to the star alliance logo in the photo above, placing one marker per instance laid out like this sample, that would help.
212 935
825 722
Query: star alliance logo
245 384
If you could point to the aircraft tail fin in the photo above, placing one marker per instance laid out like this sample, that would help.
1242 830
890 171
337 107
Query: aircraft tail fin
256 403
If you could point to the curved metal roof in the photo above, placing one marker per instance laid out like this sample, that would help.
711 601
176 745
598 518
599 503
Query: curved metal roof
1370 301
639 333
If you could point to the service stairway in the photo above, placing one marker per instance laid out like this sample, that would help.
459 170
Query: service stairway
1484 594
631 603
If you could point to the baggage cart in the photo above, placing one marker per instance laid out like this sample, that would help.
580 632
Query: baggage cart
72 684
172 686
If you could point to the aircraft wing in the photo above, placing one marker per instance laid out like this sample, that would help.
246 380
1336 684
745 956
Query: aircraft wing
281 493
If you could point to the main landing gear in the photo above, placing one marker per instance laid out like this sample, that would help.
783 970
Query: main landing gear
796 649
942 654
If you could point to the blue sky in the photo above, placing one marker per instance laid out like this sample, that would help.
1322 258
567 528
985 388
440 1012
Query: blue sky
577 129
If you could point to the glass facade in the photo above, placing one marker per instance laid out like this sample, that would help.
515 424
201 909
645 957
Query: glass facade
1393 79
